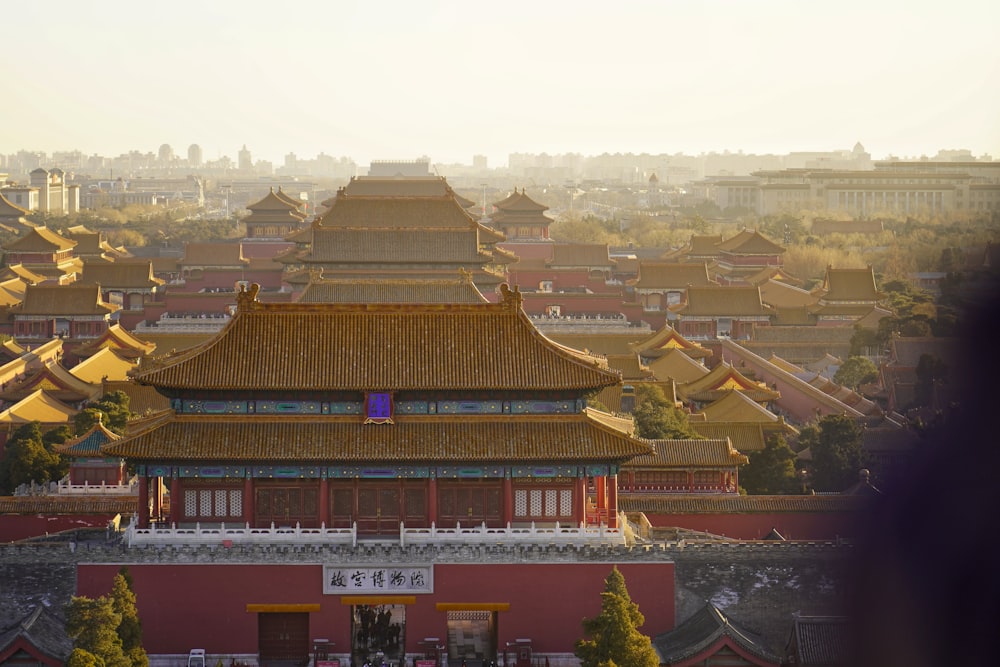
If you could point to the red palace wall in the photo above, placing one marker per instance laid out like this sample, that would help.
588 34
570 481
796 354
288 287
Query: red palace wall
15 527
184 606
791 526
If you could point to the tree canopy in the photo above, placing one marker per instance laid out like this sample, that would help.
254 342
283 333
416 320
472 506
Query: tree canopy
656 418
29 457
111 410
835 443
106 631
855 372
614 638
771 471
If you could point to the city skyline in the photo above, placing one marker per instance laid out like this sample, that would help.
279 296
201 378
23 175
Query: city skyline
449 80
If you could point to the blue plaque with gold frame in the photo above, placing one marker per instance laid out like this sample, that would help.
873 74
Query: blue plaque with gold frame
378 407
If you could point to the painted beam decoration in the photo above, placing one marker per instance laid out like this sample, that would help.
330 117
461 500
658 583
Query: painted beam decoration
377 580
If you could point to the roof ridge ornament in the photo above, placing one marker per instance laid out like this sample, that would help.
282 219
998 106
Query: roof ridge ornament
511 299
246 299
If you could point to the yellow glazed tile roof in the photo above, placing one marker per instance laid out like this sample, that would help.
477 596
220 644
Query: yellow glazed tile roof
40 239
663 275
749 242
347 440
391 291
103 365
381 347
74 299
39 407
119 275
745 436
686 453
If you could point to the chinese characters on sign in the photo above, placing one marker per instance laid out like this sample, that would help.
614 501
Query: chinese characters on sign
378 408
382 580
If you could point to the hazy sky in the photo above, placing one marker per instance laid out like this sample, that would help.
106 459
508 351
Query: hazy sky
449 79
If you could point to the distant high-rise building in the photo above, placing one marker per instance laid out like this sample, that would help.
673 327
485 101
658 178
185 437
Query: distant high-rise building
479 162
194 155
244 159
166 153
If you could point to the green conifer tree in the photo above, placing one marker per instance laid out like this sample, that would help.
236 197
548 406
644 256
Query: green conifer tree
614 638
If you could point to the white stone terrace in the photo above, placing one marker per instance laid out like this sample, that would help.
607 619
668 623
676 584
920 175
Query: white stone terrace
229 535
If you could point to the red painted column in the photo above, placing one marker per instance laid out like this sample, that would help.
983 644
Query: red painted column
143 501
176 502
580 501
508 501
324 502
613 501
691 481
432 500
248 508
601 485
158 499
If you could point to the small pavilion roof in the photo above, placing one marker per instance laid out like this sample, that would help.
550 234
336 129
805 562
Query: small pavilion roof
40 239
519 202
667 338
40 407
326 290
103 365
750 242
88 444
707 632
721 380
735 406
676 453
277 201
73 299
347 440
379 347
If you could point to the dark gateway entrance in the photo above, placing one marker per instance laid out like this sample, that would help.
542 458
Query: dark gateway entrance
378 634
283 639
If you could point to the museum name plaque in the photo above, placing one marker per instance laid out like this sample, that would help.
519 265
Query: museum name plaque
377 580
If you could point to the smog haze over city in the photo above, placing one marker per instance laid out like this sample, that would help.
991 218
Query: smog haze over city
449 79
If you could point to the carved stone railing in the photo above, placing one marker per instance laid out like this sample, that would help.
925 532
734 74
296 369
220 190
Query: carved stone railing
229 535
130 489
